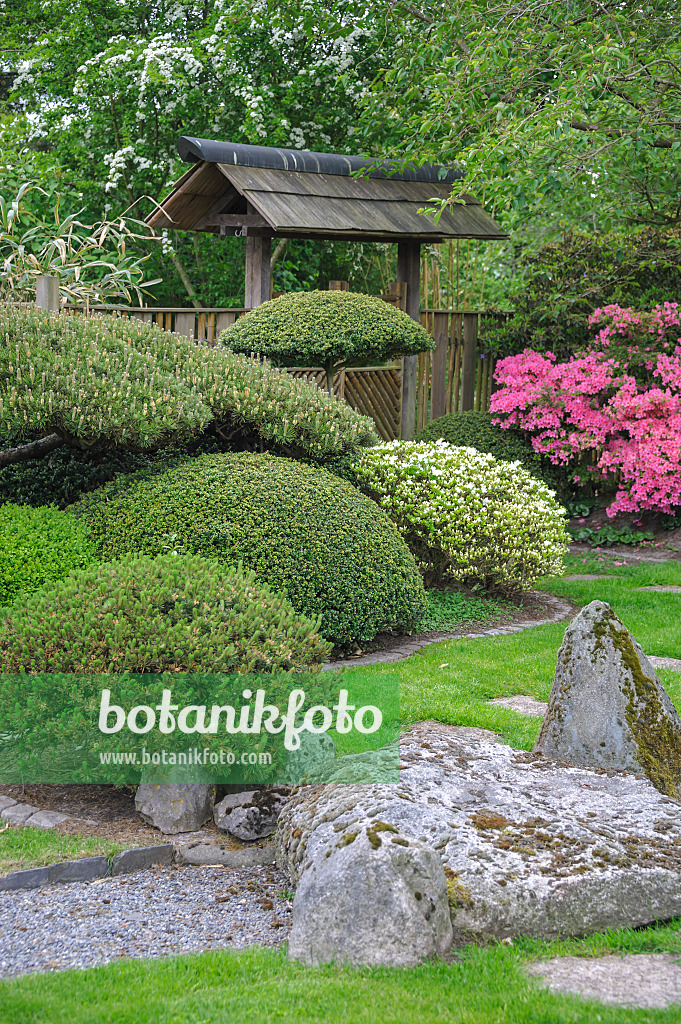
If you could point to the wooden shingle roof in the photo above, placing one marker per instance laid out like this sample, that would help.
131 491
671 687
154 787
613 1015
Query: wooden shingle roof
297 194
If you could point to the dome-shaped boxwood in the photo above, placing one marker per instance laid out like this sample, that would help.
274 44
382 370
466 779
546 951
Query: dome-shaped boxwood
466 516
326 328
299 528
171 613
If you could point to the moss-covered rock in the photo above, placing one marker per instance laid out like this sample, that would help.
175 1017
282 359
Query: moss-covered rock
607 708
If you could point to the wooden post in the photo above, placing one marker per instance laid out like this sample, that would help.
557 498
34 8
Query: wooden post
408 271
468 361
258 280
438 394
47 293
184 324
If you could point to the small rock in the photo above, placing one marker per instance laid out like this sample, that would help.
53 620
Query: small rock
251 815
18 813
607 707
5 802
46 819
372 901
175 807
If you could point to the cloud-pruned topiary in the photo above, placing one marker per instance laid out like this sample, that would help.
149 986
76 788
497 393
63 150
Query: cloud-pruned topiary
326 329
38 546
66 379
172 613
466 516
299 528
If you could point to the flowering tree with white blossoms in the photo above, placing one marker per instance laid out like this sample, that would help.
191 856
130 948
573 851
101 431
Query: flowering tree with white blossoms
111 85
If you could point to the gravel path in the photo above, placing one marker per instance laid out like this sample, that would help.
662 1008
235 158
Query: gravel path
159 912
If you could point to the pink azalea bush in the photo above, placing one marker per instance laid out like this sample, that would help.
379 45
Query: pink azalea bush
620 397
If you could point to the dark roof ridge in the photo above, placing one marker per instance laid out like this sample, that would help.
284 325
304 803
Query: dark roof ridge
216 152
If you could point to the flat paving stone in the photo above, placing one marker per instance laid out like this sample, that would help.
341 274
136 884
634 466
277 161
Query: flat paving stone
522 704
577 577
46 819
662 590
5 802
18 813
673 664
648 980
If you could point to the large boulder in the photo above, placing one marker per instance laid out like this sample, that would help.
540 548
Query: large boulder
175 807
607 707
371 897
528 846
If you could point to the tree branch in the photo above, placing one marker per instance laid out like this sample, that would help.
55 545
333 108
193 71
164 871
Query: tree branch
33 450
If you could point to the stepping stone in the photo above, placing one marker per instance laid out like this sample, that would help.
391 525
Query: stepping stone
18 813
648 980
672 664
46 819
522 704
6 801
577 577
662 590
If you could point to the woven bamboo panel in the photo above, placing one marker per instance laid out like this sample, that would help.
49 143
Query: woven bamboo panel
373 391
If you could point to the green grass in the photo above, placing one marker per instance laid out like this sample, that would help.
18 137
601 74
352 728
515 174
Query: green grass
453 681
24 847
260 986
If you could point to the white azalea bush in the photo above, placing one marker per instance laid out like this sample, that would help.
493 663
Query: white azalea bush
466 516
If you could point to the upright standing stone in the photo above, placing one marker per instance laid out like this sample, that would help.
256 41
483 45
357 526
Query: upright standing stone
607 707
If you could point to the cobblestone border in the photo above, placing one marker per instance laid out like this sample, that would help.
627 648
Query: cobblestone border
137 859
404 648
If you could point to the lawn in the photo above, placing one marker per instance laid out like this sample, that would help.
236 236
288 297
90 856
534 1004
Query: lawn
24 847
453 681
488 986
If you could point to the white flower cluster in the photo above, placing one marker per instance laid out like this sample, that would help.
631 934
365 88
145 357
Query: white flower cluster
465 515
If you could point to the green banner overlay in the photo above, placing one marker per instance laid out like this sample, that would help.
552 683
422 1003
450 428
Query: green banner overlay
267 729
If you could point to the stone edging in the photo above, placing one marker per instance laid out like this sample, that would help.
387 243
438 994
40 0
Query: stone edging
89 868
404 648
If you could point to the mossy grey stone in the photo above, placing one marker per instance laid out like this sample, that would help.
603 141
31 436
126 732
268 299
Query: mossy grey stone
370 900
175 807
529 846
250 815
607 707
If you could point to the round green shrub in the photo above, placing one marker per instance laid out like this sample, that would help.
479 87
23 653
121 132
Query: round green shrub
170 613
38 546
325 328
465 515
299 528
476 430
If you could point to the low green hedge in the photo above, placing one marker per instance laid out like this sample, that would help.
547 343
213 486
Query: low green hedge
171 613
299 528
38 546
